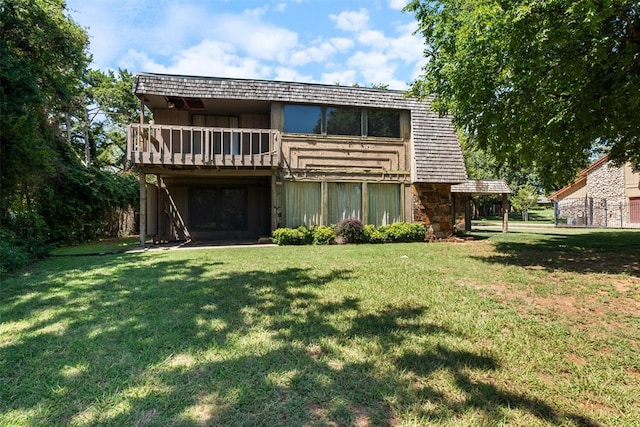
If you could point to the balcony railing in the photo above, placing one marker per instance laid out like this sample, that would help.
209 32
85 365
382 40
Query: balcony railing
202 146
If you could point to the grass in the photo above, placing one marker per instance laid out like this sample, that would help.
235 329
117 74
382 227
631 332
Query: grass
527 329
99 247
537 216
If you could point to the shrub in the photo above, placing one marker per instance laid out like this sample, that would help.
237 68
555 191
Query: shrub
406 232
292 236
323 235
22 240
12 258
350 230
374 235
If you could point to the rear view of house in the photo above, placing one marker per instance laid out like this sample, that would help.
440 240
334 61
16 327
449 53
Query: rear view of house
233 159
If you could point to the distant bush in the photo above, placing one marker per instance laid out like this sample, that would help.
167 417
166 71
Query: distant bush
323 235
292 236
350 230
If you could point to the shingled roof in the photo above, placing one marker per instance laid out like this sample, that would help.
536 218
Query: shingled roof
482 186
436 150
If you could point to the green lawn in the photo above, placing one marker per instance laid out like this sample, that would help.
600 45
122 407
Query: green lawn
538 215
515 329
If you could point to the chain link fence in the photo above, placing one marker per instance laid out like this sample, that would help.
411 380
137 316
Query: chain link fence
597 213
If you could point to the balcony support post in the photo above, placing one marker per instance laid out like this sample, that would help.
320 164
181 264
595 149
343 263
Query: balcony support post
143 208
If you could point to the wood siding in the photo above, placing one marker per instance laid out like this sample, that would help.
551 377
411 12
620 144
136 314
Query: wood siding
434 152
344 157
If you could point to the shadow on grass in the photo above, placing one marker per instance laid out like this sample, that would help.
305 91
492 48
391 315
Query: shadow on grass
592 252
194 342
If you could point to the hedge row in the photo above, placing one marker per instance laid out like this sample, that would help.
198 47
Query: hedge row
350 230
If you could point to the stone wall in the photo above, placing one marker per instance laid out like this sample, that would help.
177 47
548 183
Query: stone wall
605 186
432 206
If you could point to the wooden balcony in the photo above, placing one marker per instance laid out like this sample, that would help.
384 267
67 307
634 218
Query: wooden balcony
202 146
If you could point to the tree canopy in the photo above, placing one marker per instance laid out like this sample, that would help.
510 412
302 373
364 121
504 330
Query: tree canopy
540 83
47 194
43 55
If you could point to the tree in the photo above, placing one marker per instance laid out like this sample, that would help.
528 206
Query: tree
46 193
95 125
115 104
43 55
536 82
524 199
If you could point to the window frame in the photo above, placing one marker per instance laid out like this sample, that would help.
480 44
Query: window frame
324 118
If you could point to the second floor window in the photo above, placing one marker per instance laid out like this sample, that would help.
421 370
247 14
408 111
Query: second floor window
333 120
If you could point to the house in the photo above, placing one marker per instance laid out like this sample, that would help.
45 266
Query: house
234 159
603 195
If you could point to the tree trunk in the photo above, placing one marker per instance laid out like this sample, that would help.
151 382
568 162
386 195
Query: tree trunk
85 134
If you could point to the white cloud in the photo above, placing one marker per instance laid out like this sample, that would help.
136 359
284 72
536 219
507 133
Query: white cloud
344 78
407 48
398 4
280 7
374 66
342 44
291 75
373 38
312 54
230 39
257 12
258 39
209 58
351 21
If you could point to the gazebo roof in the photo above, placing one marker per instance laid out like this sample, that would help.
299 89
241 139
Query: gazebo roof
482 186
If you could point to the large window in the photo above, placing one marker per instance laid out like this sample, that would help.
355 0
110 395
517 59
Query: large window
344 121
345 201
334 120
218 208
383 123
303 203
302 119
373 203
384 204
202 207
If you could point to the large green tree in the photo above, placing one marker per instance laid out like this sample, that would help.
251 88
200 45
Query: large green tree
108 105
43 56
543 83
47 195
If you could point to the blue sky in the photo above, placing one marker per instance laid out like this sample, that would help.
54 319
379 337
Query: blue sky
319 41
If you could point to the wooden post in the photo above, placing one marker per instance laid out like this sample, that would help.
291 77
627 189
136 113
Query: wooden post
505 213
467 214
274 210
143 209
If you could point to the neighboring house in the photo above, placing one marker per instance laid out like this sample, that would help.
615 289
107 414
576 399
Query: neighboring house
235 159
603 195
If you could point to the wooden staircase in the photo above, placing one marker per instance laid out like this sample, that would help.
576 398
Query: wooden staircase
171 210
